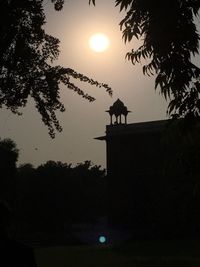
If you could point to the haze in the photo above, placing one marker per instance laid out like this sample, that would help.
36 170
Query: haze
82 120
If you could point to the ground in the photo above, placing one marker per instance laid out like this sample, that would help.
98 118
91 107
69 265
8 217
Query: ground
135 254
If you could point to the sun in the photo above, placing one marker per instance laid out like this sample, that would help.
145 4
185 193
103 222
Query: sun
99 42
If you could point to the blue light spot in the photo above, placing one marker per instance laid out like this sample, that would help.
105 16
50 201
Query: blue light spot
102 239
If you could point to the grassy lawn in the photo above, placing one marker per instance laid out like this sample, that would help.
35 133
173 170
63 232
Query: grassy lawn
138 254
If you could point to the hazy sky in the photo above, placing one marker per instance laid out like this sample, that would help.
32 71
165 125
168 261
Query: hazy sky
82 120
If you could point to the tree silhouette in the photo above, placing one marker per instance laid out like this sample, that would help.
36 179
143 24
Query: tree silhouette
55 195
169 39
8 159
26 57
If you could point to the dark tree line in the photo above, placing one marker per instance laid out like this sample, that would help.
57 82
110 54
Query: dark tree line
53 196
8 169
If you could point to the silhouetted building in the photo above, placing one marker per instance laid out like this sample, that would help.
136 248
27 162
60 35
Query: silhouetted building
139 196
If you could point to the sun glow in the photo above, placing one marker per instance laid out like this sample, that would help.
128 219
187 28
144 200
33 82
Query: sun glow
99 42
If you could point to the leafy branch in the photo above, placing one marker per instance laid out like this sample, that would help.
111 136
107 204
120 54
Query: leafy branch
169 40
26 57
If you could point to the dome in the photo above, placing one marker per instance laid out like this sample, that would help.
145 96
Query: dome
117 109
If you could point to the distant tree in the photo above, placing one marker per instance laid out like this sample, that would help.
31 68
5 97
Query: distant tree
26 56
26 168
53 166
89 194
55 195
169 40
8 159
87 167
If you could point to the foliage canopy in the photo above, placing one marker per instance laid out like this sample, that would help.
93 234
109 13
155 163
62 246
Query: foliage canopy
169 39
